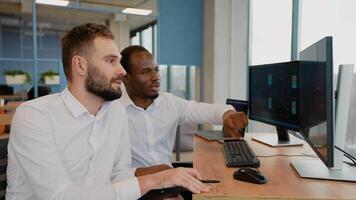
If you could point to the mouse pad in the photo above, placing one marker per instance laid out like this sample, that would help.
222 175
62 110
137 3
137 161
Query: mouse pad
163 193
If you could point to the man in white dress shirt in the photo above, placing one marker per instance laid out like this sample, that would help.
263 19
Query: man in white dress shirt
154 116
74 145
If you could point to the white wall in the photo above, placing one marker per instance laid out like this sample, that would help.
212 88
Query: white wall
226 53
225 49
121 33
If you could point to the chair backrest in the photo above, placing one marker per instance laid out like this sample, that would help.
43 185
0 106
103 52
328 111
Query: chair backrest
6 90
3 166
42 91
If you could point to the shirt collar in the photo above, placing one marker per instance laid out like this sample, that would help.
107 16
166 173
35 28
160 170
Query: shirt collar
75 107
156 101
126 101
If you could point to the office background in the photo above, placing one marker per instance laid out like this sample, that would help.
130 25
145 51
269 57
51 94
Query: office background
233 35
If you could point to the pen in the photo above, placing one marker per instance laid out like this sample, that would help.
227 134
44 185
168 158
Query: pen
210 181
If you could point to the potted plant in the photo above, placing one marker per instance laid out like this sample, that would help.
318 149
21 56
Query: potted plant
50 77
14 77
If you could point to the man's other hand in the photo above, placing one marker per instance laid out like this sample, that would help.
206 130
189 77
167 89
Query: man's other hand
185 177
234 123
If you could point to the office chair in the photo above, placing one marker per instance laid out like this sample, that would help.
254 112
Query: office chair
3 166
42 91
6 90
178 163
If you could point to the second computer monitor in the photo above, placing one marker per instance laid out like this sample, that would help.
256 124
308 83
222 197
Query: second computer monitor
290 96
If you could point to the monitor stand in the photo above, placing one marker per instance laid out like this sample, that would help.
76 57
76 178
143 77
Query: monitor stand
283 139
316 169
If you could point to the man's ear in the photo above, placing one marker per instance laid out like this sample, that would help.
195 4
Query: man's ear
80 65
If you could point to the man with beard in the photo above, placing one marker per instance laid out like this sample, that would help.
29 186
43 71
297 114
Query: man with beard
154 116
75 144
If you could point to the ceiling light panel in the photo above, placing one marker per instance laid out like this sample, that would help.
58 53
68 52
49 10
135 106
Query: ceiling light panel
53 2
137 11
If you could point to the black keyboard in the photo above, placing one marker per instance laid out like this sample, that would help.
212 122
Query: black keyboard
238 153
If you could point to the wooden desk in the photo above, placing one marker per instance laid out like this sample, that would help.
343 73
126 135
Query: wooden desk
14 97
283 180
6 119
11 105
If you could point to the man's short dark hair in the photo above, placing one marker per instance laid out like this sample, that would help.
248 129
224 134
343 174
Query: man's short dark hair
126 54
78 41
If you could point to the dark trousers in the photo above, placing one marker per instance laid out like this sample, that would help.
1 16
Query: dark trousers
188 195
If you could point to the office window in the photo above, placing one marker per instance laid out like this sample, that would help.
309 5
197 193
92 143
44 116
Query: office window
337 19
271 23
163 74
271 29
191 93
135 40
147 39
177 79
155 41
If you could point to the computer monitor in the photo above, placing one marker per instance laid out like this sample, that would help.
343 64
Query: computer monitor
322 136
280 93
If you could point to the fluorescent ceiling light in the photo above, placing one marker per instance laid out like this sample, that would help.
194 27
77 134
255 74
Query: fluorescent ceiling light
53 2
137 11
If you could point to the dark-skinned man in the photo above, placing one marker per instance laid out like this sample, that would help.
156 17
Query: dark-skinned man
154 116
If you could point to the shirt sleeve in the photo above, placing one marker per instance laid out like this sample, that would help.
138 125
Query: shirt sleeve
123 175
200 113
32 147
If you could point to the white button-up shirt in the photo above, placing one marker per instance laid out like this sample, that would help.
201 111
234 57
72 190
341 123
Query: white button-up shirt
153 131
59 151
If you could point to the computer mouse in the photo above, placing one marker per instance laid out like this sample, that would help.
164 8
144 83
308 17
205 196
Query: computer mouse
249 174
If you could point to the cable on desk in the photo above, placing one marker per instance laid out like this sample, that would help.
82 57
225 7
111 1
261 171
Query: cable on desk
347 155
296 134
353 161
287 155
350 163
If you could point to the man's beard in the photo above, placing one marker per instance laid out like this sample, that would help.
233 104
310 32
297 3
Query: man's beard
97 84
142 93
153 96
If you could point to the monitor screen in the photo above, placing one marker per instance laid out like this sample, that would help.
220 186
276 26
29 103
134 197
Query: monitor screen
273 94
290 96
320 136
